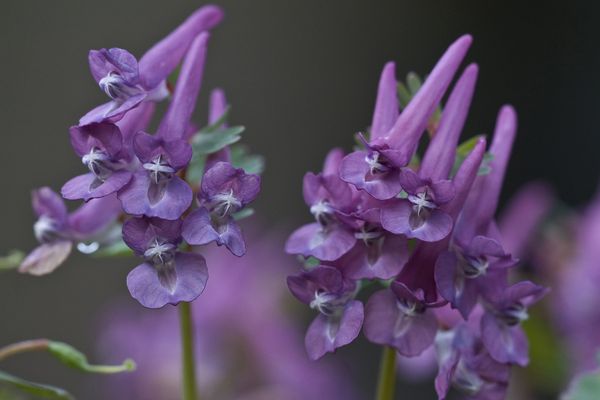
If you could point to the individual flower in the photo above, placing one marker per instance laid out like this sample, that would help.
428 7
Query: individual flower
56 229
500 326
340 316
224 191
106 150
129 83
155 190
167 274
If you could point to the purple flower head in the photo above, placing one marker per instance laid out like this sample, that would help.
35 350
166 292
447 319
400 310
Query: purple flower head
400 318
376 169
465 364
500 326
56 229
419 215
156 190
167 275
340 316
224 191
331 200
128 83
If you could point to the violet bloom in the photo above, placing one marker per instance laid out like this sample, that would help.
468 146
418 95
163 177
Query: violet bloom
340 316
105 149
56 229
167 275
477 262
500 326
465 365
224 191
129 83
394 140
329 199
155 189
420 214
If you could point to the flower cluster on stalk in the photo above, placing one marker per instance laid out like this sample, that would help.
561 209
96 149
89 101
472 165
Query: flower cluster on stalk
423 228
146 182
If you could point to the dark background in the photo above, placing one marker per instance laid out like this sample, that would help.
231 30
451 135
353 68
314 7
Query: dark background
301 75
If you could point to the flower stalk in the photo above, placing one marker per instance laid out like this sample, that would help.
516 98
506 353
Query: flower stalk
386 383
190 391
23 347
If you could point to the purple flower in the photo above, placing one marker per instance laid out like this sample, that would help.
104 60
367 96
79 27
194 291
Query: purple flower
155 190
500 330
340 316
167 275
419 215
477 262
224 191
465 364
128 83
400 318
330 200
56 229
376 169
105 149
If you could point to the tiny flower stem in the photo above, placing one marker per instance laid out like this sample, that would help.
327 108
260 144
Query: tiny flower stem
387 375
187 352
23 347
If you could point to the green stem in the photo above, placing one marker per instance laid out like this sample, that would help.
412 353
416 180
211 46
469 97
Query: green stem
387 375
187 352
22 347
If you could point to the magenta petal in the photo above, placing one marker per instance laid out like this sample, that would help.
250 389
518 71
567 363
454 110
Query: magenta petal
198 229
324 244
379 260
93 216
45 258
386 107
87 186
97 114
175 200
504 343
191 275
104 61
325 334
397 219
106 136
385 323
355 170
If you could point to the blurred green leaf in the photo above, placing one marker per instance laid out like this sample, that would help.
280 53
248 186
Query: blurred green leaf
73 358
584 387
242 158
245 213
118 249
38 389
413 81
12 260
208 142
463 150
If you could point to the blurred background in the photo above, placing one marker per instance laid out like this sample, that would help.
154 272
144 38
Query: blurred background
301 76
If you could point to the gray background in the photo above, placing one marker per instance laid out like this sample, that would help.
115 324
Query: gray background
301 75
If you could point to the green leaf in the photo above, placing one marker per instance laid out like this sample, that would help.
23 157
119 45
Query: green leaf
463 151
584 387
196 168
12 260
218 123
413 81
245 213
208 142
73 358
118 249
251 163
38 389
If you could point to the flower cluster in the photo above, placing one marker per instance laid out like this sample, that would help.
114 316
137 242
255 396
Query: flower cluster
146 182
422 227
